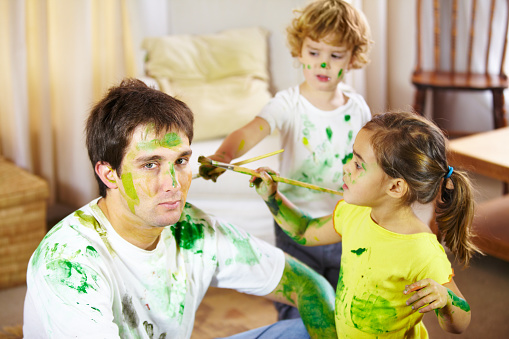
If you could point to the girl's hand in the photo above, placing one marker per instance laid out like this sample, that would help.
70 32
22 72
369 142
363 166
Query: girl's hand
428 293
265 186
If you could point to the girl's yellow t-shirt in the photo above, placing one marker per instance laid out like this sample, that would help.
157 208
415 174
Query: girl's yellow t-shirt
376 265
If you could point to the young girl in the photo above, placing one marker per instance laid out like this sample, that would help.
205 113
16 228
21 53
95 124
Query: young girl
393 269
317 121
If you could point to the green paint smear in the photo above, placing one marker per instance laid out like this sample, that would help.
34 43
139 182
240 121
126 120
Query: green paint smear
92 252
359 251
169 140
173 177
328 130
130 190
347 117
340 72
323 65
347 158
372 315
350 135
309 66
187 231
279 210
90 221
458 302
245 253
71 274
305 141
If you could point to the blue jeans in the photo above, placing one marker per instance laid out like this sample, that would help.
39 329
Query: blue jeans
284 329
325 260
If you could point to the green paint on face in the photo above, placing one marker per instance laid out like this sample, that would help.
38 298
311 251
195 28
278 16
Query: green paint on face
173 177
188 232
364 166
372 315
169 140
71 274
130 191
340 72
328 130
309 66
347 117
347 158
323 65
359 251
458 302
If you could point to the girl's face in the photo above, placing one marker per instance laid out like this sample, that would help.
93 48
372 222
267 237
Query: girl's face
324 65
365 181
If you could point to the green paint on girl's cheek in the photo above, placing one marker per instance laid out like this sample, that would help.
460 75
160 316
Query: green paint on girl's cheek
340 72
458 302
328 130
359 251
71 274
372 315
130 190
173 177
364 166
309 66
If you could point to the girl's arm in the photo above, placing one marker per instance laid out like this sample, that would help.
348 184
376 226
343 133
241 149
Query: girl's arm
235 145
446 300
302 228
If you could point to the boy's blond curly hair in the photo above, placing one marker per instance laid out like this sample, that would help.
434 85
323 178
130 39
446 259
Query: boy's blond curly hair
336 20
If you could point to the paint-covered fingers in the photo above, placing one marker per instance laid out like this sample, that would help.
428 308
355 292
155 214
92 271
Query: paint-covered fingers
210 172
265 185
428 295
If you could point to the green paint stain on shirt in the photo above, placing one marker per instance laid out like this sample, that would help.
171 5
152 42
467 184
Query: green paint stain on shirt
359 251
328 130
71 274
92 252
372 315
458 302
347 117
350 136
130 190
305 141
188 231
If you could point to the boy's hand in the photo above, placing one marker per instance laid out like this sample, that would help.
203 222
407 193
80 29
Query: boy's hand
265 186
428 293
212 172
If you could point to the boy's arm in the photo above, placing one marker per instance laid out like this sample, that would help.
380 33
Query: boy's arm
301 227
305 289
446 300
235 145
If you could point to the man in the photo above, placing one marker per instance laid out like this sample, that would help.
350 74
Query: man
137 261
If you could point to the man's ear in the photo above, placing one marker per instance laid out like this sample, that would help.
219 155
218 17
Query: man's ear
397 188
106 173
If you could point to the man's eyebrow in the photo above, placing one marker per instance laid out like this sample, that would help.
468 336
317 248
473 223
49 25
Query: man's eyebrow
358 156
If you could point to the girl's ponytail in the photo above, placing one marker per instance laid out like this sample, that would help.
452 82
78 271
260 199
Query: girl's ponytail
454 214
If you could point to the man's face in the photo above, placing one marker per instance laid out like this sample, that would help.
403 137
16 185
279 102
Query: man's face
155 177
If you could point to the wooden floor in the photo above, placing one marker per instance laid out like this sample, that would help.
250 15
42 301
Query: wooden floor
226 312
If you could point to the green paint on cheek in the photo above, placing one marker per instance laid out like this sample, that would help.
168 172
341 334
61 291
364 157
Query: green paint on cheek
363 166
359 251
372 315
340 72
328 130
130 190
173 177
309 66
458 302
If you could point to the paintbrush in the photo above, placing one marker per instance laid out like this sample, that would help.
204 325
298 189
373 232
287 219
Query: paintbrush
245 161
248 171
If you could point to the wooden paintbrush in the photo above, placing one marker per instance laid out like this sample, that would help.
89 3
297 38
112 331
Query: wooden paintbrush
248 171
246 160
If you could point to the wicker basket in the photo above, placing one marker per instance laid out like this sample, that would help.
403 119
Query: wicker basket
22 220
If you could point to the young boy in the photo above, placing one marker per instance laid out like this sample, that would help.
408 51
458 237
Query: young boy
318 121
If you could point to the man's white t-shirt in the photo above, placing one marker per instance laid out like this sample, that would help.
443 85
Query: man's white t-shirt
85 281
317 144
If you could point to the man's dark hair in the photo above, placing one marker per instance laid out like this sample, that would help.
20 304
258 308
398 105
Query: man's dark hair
130 104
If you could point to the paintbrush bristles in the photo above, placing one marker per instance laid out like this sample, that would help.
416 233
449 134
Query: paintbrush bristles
204 160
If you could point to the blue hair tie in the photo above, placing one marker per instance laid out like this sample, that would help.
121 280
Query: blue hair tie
448 175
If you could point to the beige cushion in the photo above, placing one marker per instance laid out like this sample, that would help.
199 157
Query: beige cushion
223 77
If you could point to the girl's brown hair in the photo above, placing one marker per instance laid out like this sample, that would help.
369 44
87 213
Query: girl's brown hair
336 20
411 147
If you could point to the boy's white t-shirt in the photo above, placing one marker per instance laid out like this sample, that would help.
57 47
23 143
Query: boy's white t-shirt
317 144
85 281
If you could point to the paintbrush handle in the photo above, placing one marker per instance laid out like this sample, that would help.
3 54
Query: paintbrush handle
277 178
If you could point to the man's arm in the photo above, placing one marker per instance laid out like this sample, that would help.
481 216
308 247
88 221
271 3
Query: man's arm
302 287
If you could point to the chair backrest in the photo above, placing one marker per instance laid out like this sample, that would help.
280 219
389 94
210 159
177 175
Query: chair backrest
483 27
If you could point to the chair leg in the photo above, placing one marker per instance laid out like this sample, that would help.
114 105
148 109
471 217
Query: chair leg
420 100
498 108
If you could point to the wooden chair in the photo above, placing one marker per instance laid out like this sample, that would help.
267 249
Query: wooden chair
441 78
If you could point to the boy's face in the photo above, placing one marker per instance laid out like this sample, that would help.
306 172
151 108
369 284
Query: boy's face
155 178
324 65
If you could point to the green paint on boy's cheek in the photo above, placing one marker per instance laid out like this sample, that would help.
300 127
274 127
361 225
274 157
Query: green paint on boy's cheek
130 191
328 130
458 302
